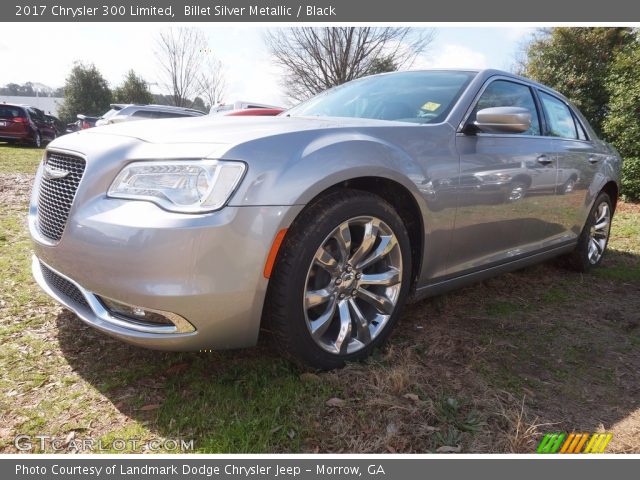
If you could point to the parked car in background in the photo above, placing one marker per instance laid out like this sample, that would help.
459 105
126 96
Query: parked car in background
239 105
127 112
253 112
187 235
83 122
25 124
56 123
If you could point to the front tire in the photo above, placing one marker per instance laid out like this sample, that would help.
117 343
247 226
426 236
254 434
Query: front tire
594 238
340 280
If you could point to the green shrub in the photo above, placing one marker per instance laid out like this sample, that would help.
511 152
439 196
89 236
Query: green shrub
630 188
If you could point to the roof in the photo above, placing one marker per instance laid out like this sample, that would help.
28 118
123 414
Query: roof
152 107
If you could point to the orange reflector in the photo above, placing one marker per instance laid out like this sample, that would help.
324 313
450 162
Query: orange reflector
273 253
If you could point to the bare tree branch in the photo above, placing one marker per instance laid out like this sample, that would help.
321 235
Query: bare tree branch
180 52
212 82
317 58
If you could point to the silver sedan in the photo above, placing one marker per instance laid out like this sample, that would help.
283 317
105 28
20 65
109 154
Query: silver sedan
191 234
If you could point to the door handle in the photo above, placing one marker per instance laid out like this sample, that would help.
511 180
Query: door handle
544 160
593 159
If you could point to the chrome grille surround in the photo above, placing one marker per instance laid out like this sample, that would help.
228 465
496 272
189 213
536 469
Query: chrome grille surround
56 195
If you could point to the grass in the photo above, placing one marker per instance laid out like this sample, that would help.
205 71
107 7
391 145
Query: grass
17 159
486 369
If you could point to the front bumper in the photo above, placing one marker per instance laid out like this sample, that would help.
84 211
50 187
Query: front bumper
206 269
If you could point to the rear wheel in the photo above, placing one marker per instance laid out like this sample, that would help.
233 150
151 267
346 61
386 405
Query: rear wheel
37 139
340 280
593 240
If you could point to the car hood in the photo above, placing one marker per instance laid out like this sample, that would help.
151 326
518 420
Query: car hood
225 130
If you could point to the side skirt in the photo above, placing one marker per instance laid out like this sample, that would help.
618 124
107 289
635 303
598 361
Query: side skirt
443 286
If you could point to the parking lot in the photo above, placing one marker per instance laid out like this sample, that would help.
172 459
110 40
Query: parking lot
489 368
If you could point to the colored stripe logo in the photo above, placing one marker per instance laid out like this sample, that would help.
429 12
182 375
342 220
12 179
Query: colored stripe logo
560 442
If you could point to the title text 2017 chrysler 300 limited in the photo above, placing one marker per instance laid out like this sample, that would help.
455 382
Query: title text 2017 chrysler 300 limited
188 234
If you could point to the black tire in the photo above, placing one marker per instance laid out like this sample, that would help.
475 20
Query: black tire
37 140
284 307
579 259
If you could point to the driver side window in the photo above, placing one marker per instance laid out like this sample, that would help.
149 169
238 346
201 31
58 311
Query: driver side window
503 93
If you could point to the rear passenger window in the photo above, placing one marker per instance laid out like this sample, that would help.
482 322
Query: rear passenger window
503 93
143 114
35 114
582 135
559 117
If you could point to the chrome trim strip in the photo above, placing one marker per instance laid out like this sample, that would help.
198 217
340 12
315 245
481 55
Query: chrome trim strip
97 309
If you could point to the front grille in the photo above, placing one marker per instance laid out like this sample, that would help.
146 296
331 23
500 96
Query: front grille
62 286
56 195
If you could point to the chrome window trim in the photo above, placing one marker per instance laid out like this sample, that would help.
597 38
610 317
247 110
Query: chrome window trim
473 104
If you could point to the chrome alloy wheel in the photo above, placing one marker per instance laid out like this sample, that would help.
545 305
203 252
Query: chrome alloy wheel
599 233
516 193
353 284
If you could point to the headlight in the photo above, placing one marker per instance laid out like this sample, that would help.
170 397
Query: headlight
188 186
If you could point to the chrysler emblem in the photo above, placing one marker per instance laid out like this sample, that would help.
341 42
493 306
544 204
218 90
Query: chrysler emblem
51 173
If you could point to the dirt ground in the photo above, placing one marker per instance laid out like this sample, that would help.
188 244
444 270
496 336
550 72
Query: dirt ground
489 368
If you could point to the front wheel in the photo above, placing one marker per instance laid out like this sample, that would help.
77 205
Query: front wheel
593 240
516 192
340 280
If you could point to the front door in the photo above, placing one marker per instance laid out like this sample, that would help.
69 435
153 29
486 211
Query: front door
506 186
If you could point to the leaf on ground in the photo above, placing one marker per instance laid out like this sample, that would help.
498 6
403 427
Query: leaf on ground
448 449
335 402
412 396
151 406
69 438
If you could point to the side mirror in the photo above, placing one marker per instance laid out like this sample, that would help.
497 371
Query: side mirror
503 120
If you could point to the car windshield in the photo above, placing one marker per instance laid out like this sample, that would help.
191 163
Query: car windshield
415 97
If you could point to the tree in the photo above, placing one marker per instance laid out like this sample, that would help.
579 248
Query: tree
85 91
198 104
622 125
212 81
180 52
317 58
576 62
133 90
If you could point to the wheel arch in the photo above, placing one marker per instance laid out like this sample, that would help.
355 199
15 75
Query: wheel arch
611 189
400 198
526 179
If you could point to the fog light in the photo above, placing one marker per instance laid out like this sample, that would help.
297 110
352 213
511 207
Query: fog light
134 313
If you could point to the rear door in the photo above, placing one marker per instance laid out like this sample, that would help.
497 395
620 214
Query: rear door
37 118
578 158
502 202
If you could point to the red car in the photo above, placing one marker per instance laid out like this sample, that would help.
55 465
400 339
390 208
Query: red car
268 112
25 124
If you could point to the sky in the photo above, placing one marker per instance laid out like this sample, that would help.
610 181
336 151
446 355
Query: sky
47 55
